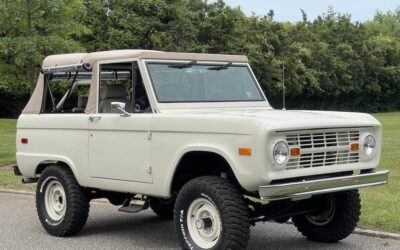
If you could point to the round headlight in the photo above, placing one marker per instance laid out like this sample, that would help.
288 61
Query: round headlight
369 145
281 153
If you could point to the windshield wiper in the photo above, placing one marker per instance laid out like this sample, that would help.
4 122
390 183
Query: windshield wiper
221 67
183 65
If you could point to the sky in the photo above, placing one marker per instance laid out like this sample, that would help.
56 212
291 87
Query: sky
289 10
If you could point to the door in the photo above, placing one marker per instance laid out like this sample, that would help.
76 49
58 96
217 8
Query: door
119 145
119 148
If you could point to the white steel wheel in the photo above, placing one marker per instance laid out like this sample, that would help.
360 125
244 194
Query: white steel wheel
204 223
62 205
55 200
211 214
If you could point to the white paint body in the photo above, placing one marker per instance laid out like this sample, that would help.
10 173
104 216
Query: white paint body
140 153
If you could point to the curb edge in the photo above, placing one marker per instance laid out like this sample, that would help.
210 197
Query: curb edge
32 193
13 191
377 234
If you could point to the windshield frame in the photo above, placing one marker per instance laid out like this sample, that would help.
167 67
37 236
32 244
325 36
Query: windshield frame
262 100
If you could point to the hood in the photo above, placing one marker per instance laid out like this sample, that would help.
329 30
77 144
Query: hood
300 119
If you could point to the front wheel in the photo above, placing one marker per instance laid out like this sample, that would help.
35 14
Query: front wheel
62 205
337 218
211 214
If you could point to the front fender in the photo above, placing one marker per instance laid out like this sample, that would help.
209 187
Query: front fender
240 173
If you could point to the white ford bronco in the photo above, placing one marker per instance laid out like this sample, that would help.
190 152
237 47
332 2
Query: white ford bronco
193 137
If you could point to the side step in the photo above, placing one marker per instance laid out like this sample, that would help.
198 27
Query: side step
127 207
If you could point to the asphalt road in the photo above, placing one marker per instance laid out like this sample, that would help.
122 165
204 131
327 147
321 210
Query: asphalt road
109 229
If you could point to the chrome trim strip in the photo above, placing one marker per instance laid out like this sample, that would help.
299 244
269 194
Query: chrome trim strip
297 190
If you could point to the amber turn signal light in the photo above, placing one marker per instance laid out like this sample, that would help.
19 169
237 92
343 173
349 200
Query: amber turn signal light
354 147
294 151
244 151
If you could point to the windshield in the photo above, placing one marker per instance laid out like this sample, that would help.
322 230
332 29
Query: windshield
193 82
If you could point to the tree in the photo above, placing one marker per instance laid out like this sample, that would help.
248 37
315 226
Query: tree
331 62
30 30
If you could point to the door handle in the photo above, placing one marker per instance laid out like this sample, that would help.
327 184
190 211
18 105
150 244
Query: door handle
93 118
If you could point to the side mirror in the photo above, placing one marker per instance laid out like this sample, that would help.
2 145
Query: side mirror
121 107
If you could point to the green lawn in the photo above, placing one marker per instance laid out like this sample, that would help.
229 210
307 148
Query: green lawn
7 156
380 204
9 181
7 141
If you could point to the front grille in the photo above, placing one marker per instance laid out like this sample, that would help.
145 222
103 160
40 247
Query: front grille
320 159
320 149
323 139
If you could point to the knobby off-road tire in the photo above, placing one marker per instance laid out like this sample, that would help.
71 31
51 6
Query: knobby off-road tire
224 216
339 225
164 208
62 205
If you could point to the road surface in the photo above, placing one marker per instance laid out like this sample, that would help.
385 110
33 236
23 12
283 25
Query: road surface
109 229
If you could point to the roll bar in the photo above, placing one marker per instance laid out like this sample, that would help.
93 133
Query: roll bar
81 71
108 75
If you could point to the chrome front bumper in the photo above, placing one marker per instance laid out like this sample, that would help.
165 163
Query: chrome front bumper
307 188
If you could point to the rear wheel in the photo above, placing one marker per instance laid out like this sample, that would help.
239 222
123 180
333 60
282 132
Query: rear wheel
62 205
211 214
336 220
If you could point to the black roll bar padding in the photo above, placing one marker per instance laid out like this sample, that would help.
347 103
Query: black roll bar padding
70 89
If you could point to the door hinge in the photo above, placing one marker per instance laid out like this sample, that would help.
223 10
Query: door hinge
149 170
149 135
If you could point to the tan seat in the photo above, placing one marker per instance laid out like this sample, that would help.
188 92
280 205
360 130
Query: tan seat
113 93
82 101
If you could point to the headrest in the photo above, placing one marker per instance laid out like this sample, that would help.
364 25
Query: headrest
82 101
113 91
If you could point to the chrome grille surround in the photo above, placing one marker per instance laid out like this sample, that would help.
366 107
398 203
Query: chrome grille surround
323 148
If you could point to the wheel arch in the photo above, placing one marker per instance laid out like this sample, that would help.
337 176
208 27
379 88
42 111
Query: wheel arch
201 155
55 160
44 164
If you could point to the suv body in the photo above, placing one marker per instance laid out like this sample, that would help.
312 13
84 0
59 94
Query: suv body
178 119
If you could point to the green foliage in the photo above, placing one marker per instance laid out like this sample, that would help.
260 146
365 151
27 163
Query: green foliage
331 62
30 30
